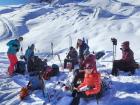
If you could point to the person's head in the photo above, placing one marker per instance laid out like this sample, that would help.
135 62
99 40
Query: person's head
125 45
71 48
20 39
86 53
32 47
89 68
80 41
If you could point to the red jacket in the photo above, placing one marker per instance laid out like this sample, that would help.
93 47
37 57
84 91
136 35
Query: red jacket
92 80
91 59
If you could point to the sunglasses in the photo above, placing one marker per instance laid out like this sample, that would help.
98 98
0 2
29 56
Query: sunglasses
88 67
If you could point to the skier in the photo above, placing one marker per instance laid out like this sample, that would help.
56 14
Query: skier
127 63
82 47
88 59
14 46
72 57
90 87
29 52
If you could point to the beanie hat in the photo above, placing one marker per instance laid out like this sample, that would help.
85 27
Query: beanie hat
71 48
126 43
20 38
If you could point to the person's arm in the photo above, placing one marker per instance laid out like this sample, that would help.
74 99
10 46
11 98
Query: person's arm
10 43
127 56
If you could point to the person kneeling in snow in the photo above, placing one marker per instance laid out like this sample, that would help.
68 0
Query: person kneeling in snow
127 63
90 87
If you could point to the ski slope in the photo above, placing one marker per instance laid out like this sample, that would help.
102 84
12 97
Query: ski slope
61 21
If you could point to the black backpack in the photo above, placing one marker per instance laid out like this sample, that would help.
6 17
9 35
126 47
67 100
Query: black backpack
99 54
20 67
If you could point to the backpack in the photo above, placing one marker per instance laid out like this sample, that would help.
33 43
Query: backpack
51 71
20 67
99 54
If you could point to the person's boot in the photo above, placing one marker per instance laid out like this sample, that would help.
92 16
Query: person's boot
115 72
132 72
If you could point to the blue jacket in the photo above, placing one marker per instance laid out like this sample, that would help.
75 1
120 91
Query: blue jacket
14 46
29 53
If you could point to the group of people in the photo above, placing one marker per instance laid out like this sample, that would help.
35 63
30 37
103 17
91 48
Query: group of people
90 78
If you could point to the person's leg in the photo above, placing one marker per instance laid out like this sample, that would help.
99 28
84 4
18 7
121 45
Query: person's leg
73 63
75 101
13 60
119 65
77 76
65 63
77 96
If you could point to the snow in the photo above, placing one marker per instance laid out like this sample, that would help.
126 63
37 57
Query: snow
96 20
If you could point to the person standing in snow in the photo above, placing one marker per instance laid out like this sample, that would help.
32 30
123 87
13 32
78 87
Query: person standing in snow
72 57
82 47
127 63
14 46
29 52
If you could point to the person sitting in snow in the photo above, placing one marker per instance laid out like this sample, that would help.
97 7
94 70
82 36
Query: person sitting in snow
90 87
35 65
71 57
14 46
127 63
88 59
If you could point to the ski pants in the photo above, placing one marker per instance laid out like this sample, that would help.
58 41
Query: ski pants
77 75
123 66
77 95
71 61
13 60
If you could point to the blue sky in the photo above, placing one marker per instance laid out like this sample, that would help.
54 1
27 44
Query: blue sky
8 2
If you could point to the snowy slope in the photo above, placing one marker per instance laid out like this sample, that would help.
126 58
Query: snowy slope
96 20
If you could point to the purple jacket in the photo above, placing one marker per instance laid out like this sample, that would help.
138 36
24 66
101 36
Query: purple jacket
128 55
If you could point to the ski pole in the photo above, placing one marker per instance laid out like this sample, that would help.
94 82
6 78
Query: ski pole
114 41
59 60
70 41
52 48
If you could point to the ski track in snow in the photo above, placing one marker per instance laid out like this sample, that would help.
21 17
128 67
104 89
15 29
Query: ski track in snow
10 29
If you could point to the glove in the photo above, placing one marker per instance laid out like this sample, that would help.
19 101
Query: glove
85 88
